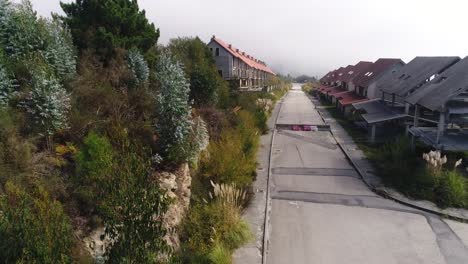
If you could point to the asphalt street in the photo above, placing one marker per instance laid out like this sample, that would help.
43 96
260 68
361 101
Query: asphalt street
322 212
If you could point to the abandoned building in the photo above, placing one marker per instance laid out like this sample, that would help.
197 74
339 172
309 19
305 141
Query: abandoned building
241 69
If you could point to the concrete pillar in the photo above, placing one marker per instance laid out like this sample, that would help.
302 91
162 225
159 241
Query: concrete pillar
393 100
373 133
416 116
440 127
407 108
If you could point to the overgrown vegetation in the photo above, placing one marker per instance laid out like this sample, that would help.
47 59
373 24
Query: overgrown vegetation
90 110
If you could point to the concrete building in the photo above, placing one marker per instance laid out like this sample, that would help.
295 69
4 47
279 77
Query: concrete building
441 109
346 80
391 110
241 69
365 83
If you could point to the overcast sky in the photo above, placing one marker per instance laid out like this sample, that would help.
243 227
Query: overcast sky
314 36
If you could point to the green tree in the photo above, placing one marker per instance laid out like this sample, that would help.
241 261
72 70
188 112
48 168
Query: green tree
22 32
104 25
33 229
132 206
6 87
138 66
173 111
59 52
48 103
93 166
200 68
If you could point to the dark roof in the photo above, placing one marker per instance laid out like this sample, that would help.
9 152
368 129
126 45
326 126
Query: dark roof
414 74
377 111
340 75
326 76
355 70
442 88
334 75
364 78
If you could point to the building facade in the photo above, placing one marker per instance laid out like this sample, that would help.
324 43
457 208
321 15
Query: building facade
242 69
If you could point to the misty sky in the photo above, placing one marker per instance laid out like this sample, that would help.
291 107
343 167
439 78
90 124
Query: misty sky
314 36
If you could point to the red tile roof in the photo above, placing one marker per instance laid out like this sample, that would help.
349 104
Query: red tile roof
335 90
364 78
249 60
350 97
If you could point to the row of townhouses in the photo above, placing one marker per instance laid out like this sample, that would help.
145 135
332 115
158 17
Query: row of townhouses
427 98
241 69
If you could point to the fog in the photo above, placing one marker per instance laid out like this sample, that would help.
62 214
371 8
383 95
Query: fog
310 36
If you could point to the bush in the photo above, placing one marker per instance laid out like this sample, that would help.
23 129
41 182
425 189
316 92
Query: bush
93 165
131 204
212 232
15 151
451 190
232 158
34 229
396 162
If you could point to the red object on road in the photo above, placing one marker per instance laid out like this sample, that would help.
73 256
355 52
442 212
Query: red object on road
307 128
296 128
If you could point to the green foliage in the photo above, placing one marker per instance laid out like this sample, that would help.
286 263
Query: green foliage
231 159
199 65
138 66
23 33
93 166
402 168
34 229
7 87
131 206
47 103
173 111
213 231
199 139
451 190
60 53
104 25
15 152
220 255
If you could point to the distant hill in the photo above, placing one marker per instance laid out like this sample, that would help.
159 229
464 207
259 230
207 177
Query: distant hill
304 79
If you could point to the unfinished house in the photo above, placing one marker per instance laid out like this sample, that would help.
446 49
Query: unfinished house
365 83
441 109
356 71
241 69
391 110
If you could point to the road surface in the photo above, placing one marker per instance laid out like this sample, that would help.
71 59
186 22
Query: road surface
322 212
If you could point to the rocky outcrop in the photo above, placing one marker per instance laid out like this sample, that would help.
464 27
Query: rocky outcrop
177 184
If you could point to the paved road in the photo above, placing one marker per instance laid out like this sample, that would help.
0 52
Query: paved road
321 211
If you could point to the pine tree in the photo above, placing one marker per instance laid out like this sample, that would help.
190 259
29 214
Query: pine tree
5 16
59 52
173 110
138 66
48 104
104 25
7 86
23 34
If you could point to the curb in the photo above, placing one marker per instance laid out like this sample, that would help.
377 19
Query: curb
266 224
383 193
